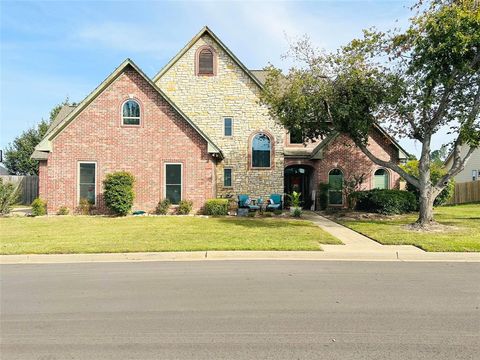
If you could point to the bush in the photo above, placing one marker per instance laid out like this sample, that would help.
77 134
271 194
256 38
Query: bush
118 192
216 207
8 196
323 195
278 212
39 207
63 211
385 201
436 172
84 207
297 212
184 207
162 207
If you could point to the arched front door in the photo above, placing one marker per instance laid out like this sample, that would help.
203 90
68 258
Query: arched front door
298 178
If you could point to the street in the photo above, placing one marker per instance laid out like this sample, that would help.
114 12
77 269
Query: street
241 310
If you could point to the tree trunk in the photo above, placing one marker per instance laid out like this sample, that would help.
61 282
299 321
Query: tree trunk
425 216
427 193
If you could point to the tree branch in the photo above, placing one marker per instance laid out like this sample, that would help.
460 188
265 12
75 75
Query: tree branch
390 165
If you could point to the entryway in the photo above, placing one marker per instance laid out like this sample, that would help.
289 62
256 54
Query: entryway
299 178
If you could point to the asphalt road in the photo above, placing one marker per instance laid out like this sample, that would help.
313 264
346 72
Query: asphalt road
241 310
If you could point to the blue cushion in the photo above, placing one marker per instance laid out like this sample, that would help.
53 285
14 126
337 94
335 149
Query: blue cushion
253 207
277 198
241 200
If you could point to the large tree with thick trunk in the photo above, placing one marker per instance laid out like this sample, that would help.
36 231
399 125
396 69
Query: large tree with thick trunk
413 83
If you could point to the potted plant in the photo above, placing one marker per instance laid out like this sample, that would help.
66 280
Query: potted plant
295 208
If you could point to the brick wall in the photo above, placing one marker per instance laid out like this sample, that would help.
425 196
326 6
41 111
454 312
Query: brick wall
342 154
97 135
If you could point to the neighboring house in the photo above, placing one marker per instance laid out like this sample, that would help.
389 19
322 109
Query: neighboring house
3 170
196 131
471 172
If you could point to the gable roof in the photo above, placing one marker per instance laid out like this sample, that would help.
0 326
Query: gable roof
203 31
60 123
62 114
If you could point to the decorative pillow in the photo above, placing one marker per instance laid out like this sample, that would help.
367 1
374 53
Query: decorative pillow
271 201
248 202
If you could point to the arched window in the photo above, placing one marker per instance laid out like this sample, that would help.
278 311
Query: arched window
131 113
205 62
261 151
335 180
380 179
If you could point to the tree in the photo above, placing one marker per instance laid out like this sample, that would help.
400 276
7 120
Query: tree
17 154
412 82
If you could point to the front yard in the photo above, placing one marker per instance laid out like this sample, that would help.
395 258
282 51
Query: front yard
463 234
95 234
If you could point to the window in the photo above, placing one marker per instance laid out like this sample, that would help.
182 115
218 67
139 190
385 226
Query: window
335 180
380 179
87 181
173 182
205 62
227 126
131 113
296 136
474 175
227 177
261 151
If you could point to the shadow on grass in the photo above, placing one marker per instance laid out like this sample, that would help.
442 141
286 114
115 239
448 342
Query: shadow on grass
263 223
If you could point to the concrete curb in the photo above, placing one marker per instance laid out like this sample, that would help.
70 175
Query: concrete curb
332 255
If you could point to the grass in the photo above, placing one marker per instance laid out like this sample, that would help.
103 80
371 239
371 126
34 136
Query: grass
89 234
463 236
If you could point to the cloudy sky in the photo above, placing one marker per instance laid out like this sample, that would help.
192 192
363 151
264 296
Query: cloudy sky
54 49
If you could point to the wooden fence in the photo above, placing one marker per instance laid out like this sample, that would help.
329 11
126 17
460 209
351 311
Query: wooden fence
466 192
28 186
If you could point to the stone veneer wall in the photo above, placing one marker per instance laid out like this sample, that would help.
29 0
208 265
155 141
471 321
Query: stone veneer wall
230 93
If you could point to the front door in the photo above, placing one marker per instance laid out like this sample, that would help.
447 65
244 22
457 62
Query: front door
297 178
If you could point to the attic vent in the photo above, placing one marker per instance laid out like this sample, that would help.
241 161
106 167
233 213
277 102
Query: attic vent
205 62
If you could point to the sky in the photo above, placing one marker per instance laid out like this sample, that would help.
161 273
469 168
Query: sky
51 50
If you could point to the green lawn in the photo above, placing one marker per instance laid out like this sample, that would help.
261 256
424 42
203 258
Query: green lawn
465 236
84 234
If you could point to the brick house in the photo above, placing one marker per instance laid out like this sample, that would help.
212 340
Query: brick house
195 131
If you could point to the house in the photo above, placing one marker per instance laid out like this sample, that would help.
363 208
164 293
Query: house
471 172
3 170
195 131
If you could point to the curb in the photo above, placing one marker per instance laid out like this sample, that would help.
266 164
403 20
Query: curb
330 255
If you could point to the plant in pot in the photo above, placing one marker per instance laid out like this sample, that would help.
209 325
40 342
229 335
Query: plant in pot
295 208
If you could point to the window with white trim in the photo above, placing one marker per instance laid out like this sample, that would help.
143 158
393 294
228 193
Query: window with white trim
87 174
261 151
173 183
227 126
131 113
227 177
474 175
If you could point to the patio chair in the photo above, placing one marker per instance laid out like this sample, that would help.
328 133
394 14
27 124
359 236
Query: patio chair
244 203
276 199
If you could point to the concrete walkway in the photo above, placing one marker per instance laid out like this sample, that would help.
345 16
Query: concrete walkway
356 248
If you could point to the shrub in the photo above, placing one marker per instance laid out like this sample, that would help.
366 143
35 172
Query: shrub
216 207
118 192
436 172
297 212
252 214
323 195
184 207
162 207
84 207
278 212
8 196
39 207
267 214
63 211
385 201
